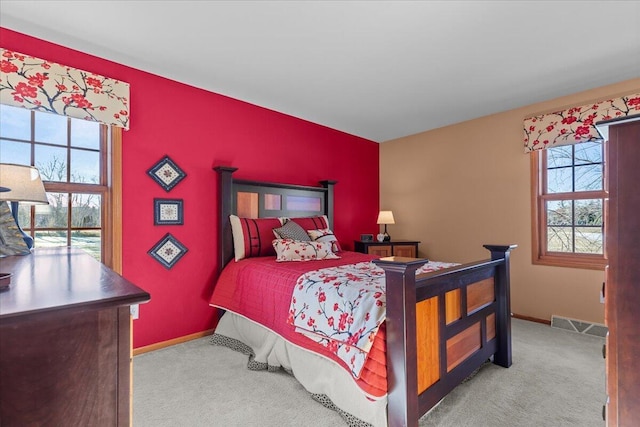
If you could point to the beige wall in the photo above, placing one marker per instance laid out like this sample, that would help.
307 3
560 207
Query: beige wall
462 186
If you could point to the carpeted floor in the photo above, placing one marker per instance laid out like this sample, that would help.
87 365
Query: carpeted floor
557 379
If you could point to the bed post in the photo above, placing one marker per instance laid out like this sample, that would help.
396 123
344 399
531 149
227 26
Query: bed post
502 356
328 206
225 206
402 364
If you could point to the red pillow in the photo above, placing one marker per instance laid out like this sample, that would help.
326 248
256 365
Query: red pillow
252 237
312 222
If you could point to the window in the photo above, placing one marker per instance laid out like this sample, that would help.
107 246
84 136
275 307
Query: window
568 199
72 157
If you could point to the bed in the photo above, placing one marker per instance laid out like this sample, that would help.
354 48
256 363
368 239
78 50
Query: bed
440 322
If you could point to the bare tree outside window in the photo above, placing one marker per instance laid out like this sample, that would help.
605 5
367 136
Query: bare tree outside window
575 225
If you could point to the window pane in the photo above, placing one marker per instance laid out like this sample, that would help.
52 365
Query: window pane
24 216
15 152
85 134
559 212
589 240
53 215
588 178
588 212
559 239
559 156
559 180
66 151
50 239
85 210
89 240
588 152
52 163
16 122
51 128
85 166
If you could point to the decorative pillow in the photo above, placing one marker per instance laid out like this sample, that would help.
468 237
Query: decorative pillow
252 237
325 235
291 230
312 222
296 250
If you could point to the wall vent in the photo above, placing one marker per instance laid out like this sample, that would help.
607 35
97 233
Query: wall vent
579 326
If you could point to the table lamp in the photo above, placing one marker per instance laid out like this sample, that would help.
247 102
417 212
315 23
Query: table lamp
25 186
385 217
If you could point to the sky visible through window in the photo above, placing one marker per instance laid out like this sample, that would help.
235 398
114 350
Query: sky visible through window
51 129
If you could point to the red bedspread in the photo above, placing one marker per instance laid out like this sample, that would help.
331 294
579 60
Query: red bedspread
260 289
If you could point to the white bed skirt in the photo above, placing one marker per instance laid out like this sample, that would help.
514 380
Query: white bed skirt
317 374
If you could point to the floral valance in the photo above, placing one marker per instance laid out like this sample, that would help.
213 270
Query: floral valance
576 124
41 85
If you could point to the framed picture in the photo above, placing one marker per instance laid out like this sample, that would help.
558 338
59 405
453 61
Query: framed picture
166 173
168 251
11 241
168 212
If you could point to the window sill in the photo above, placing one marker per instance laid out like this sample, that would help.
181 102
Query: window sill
572 261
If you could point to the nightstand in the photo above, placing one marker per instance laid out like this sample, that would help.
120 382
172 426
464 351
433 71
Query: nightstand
403 248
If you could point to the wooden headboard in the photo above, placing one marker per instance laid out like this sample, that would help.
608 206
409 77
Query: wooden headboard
255 199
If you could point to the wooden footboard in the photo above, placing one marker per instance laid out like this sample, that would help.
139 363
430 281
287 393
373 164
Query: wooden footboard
442 326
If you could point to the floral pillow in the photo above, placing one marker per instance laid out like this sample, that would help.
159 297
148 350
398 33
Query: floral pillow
296 250
252 237
325 235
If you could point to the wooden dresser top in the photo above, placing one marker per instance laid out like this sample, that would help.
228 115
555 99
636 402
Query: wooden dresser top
55 279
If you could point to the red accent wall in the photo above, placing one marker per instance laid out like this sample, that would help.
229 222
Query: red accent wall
199 129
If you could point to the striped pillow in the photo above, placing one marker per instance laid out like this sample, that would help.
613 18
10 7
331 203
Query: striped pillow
312 222
252 237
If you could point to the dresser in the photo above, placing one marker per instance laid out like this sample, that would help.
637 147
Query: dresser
401 248
622 282
65 341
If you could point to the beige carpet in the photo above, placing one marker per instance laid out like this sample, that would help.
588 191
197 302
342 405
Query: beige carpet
557 379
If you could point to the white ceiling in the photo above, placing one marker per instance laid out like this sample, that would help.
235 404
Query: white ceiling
377 69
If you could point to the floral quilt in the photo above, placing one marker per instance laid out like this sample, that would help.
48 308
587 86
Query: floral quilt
343 307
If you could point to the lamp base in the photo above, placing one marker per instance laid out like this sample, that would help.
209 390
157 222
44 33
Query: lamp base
28 240
387 238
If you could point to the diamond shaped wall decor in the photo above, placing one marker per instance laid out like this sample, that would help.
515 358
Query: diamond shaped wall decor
166 173
168 251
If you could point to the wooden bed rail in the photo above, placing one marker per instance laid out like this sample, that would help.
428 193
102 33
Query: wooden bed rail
441 327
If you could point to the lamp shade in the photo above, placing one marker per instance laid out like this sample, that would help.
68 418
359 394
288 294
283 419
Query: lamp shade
385 217
24 184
